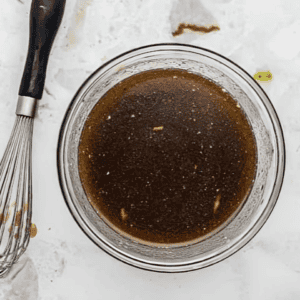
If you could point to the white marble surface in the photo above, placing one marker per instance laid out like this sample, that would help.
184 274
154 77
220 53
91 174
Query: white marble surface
61 263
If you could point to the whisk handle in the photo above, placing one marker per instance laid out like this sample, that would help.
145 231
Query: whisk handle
45 19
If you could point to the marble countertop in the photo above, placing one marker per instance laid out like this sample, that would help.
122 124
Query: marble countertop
61 263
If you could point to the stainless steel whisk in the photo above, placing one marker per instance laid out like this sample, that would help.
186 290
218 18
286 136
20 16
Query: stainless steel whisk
15 166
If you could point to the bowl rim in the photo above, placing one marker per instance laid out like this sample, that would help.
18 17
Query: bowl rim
277 186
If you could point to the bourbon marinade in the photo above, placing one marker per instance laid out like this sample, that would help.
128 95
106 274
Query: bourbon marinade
167 156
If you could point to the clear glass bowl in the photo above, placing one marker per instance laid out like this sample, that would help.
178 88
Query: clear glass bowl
270 170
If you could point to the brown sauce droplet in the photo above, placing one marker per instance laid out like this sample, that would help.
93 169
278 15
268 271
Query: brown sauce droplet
33 230
18 218
200 29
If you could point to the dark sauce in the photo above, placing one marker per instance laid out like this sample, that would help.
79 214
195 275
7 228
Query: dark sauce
167 156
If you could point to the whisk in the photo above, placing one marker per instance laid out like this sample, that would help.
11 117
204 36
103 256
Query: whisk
15 166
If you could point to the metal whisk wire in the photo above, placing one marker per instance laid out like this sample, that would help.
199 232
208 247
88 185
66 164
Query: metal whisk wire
16 184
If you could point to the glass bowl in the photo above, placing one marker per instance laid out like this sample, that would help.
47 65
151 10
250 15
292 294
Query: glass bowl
224 241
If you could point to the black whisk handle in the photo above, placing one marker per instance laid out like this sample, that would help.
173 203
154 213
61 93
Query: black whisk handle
45 19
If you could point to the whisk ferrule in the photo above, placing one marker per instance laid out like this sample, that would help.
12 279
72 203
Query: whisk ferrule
26 106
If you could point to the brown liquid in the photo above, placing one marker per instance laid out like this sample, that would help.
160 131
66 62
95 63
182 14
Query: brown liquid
167 156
